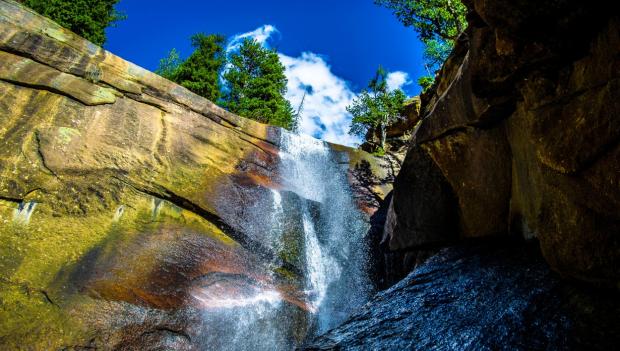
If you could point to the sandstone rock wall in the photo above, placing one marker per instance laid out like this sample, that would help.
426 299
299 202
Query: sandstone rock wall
521 137
112 185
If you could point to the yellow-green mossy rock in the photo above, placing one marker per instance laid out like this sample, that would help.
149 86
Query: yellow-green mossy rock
109 184
112 184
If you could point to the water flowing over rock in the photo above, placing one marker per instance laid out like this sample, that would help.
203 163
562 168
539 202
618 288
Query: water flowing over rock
514 166
334 242
492 296
312 222
137 215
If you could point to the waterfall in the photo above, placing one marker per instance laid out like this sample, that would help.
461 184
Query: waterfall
333 228
313 224
23 212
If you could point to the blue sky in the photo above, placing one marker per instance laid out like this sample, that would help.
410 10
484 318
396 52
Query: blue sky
332 46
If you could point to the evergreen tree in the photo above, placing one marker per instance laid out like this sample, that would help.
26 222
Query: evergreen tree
256 85
169 65
87 18
376 107
438 24
200 73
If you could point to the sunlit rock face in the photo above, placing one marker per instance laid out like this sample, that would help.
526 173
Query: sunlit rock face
519 136
135 214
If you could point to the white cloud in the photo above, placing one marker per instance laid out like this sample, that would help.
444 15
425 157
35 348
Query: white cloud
397 80
324 113
260 34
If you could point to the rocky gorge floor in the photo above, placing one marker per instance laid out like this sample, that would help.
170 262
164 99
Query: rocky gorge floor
481 296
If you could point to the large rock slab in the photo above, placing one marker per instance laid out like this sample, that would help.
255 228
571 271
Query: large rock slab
522 125
423 210
481 297
477 165
113 186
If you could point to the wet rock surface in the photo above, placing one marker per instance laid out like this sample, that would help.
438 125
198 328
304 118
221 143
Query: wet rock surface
492 296
121 194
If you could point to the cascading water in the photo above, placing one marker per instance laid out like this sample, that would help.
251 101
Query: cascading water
333 228
311 223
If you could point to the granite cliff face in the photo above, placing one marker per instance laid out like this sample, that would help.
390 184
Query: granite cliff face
120 195
511 185
520 136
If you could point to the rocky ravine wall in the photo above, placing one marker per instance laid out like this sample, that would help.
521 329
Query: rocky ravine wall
111 178
521 136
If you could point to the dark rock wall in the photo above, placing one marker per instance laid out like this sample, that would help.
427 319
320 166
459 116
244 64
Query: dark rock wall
520 136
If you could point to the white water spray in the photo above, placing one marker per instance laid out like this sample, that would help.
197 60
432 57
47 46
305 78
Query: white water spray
312 223
333 228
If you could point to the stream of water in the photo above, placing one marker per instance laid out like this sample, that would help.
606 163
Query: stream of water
314 223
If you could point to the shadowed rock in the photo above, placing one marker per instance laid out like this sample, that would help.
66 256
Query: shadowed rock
521 128
481 297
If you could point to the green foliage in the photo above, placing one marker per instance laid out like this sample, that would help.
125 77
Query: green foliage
376 107
200 73
255 80
437 22
436 52
426 82
432 19
169 64
87 18
379 151
256 85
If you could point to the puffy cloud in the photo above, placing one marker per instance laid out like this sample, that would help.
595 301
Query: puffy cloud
397 80
260 34
325 95
324 113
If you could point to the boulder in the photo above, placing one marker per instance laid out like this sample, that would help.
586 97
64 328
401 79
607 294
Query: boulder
491 296
410 117
521 130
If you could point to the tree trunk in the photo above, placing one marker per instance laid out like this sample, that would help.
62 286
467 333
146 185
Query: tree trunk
383 133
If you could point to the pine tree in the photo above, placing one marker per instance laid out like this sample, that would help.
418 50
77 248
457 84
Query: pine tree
169 65
376 107
200 73
87 18
256 85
